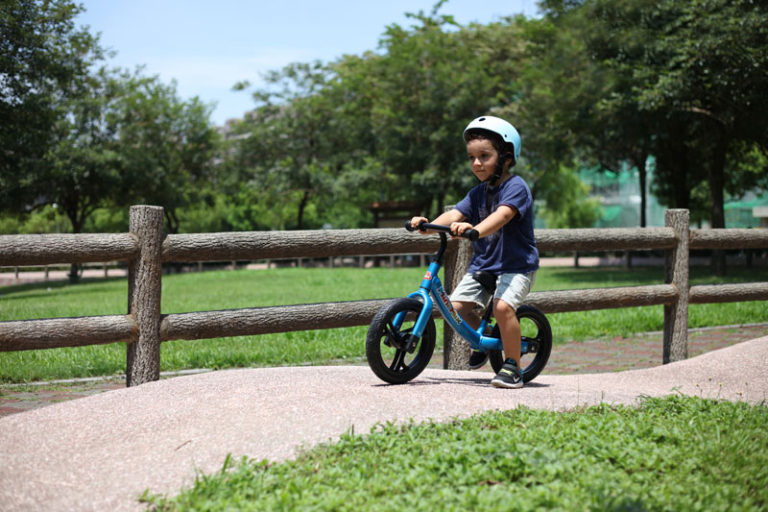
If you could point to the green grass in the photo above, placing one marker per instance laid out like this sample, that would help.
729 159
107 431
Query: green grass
240 289
200 292
675 453
580 326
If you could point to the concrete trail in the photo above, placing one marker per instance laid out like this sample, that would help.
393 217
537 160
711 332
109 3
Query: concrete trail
102 451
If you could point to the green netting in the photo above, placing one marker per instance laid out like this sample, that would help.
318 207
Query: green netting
746 205
619 194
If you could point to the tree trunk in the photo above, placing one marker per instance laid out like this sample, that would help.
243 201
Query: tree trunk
302 206
716 176
682 193
77 219
642 174
440 199
440 203
74 273
172 219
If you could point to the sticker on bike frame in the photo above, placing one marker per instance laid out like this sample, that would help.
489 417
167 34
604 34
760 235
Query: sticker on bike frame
428 276
448 304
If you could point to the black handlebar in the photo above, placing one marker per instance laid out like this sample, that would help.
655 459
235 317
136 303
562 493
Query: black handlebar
470 234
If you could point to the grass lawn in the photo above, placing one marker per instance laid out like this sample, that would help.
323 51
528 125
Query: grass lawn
674 453
255 288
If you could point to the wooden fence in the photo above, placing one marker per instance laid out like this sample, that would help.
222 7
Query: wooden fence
145 248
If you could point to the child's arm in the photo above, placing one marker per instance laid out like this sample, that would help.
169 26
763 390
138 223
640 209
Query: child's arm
490 225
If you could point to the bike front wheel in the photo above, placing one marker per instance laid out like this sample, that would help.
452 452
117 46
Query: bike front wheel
536 331
386 345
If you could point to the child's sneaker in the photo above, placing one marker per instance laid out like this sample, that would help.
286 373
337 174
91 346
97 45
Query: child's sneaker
477 359
509 376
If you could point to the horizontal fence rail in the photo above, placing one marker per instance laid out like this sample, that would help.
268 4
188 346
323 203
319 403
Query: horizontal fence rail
713 293
21 250
602 298
729 238
250 321
293 244
28 250
66 332
605 239
144 248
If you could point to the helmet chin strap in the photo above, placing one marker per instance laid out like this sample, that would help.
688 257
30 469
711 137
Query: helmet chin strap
492 180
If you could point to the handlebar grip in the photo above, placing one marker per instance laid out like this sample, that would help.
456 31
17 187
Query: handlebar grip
470 234
420 227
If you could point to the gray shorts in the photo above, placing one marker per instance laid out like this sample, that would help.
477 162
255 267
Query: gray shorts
511 288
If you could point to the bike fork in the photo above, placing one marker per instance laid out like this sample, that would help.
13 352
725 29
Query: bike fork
421 321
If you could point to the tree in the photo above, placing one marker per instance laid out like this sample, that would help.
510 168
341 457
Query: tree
748 164
428 84
43 62
81 138
381 126
566 200
558 90
699 73
290 149
682 81
717 78
166 146
81 169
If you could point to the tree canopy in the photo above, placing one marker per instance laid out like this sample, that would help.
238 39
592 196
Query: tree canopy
596 83
44 59
79 136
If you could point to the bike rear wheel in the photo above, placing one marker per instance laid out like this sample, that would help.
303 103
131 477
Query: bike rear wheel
537 332
387 339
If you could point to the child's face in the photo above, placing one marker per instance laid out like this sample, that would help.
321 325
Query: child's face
482 157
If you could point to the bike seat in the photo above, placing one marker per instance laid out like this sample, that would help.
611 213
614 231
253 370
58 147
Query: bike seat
486 279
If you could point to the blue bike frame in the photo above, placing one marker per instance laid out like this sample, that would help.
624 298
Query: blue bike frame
431 287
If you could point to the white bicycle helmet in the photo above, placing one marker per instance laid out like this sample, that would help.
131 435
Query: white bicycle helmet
500 127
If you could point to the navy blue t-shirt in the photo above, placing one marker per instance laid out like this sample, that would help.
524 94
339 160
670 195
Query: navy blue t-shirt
512 249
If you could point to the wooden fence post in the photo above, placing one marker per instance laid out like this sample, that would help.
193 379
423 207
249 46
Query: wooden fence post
455 350
144 287
676 268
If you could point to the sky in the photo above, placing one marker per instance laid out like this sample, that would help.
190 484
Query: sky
208 46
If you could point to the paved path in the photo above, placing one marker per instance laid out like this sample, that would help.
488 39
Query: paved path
594 356
100 452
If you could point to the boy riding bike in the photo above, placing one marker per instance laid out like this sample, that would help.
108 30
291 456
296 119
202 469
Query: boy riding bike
500 208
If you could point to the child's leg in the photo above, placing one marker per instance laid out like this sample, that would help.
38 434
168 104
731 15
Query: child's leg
511 290
468 312
466 297
509 326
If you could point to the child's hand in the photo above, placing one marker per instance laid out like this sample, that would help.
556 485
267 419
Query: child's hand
457 228
416 221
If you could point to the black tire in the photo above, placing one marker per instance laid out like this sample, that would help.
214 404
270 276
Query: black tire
384 344
537 332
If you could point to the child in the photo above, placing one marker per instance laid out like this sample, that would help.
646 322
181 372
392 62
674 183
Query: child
501 210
